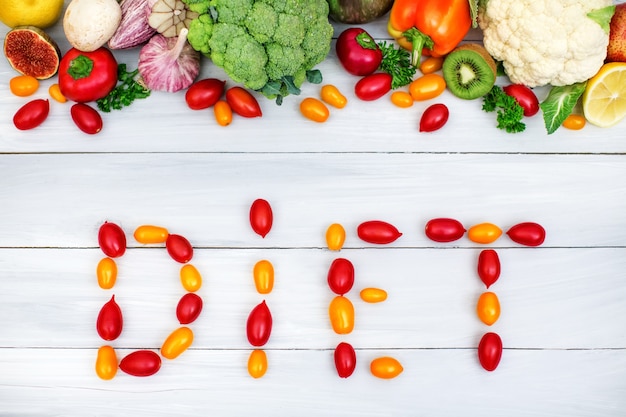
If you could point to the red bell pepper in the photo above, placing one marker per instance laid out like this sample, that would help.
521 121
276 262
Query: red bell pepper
87 76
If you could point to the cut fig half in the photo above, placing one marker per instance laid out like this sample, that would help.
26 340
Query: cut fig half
31 51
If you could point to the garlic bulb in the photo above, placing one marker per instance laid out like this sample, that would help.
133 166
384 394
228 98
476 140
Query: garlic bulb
169 64
134 28
168 17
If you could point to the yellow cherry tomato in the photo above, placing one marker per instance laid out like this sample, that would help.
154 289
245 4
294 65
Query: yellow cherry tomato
488 308
177 342
106 362
55 92
484 233
314 109
23 85
257 363
341 314
263 273
373 295
427 87
331 95
386 367
106 271
402 99
190 278
335 236
431 64
223 113
151 234
575 122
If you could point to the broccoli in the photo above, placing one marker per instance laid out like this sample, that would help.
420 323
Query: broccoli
270 46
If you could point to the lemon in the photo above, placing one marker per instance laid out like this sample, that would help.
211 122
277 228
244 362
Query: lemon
604 99
39 13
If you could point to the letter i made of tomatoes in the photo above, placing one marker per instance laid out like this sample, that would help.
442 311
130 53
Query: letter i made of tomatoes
488 309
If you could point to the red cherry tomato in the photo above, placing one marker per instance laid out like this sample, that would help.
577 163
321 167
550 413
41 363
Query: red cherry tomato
112 240
204 93
109 323
188 308
488 266
141 363
377 231
242 102
341 276
373 86
444 230
86 118
259 325
358 52
434 117
528 234
179 248
525 97
490 351
261 217
31 114
345 359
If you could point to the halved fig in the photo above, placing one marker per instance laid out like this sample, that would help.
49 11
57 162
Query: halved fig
31 51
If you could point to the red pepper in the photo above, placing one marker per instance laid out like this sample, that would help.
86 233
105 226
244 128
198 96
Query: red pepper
87 76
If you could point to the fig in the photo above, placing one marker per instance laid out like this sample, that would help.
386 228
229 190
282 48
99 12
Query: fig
358 11
31 51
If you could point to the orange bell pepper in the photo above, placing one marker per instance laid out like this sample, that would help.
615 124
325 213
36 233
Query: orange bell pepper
432 27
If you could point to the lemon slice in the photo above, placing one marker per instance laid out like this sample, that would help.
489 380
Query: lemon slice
604 99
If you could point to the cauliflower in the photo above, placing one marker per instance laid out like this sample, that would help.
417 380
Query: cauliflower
269 46
541 42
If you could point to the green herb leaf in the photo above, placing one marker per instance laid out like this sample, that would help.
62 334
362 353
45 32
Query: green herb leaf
603 17
560 103
128 90
397 63
509 112
473 4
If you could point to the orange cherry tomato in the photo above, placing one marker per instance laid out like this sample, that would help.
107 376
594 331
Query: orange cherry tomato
575 122
151 234
484 233
341 314
55 92
386 367
427 87
488 308
335 236
257 363
23 85
106 272
263 273
314 109
402 99
373 295
331 95
223 113
177 342
431 64
190 278
106 362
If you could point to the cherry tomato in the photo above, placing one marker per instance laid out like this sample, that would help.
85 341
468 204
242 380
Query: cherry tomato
112 240
341 276
488 266
141 363
223 113
106 272
31 114
263 274
386 367
490 351
190 278
259 325
335 236
177 342
106 363
341 314
242 102
331 95
188 308
358 52
204 93
261 217
431 64
23 85
488 308
377 231
444 230
373 86
179 248
525 97
434 117
110 322
484 233
402 99
147 234
55 92
314 109
574 122
257 363
373 295
86 118
345 359
427 87
527 233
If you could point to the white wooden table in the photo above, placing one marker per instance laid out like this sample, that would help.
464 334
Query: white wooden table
563 321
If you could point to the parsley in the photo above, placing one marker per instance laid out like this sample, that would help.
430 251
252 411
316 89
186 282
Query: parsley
124 93
510 112
397 63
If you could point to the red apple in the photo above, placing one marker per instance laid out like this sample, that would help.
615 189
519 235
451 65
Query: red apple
616 51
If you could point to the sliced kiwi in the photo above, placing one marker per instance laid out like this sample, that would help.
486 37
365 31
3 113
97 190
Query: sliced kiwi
469 71
31 51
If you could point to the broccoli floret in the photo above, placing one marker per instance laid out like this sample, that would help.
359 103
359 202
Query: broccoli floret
244 61
233 11
283 61
314 43
261 22
290 30
223 35
200 32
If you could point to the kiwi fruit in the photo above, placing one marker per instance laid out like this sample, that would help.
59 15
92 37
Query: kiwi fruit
470 71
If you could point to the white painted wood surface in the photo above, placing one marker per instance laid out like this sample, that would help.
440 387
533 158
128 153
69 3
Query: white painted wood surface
563 320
